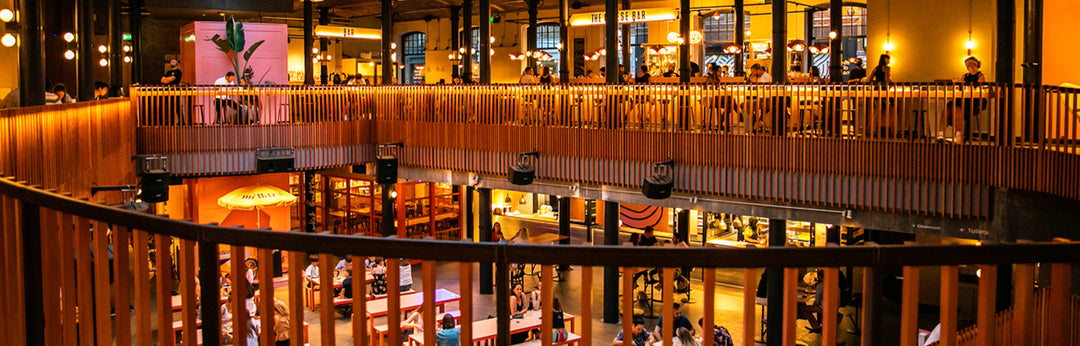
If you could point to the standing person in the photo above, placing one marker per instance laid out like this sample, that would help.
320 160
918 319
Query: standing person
968 105
172 78
643 75
857 73
101 91
281 323
405 274
882 122
528 76
378 275
173 74
639 336
546 77
558 326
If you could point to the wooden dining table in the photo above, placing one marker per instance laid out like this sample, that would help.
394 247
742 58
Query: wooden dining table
488 329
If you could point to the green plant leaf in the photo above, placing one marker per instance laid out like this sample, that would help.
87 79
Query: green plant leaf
240 37
230 33
251 50
222 44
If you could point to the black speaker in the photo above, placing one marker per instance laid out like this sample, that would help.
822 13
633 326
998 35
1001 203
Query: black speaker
386 169
521 174
154 186
359 169
273 165
657 187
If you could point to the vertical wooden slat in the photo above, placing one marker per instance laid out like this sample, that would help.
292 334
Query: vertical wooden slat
909 308
393 298
950 283
67 266
142 287
465 270
101 280
359 313
668 309
187 291
122 275
429 300
791 284
628 303
586 306
709 281
326 299
85 283
831 303
547 290
266 299
296 296
985 312
240 315
1060 294
1023 304
749 321
50 276
164 288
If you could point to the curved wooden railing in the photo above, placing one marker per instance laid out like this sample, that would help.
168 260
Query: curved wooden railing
845 146
66 299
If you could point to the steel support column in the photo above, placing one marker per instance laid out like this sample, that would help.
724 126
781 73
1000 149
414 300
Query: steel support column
31 56
740 37
779 46
774 283
485 41
1006 42
309 43
611 41
1033 41
530 32
466 59
388 66
565 58
484 228
116 36
836 48
455 23
611 274
684 48
84 23
135 20
324 44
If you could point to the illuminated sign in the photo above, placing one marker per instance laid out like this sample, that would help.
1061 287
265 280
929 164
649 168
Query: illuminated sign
347 32
626 16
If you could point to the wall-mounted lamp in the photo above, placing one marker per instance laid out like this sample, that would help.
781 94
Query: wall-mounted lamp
68 37
796 46
69 54
8 40
832 34
103 62
6 15
819 48
102 49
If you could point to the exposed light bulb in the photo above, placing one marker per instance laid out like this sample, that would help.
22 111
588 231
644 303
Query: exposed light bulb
888 46
103 62
832 34
315 51
491 39
969 44
6 15
69 54
127 59
8 40
68 37
127 48
102 48
393 45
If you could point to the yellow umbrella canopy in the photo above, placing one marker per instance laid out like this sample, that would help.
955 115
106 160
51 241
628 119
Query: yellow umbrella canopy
256 197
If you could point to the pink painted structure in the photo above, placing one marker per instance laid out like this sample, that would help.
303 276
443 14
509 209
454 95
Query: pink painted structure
203 63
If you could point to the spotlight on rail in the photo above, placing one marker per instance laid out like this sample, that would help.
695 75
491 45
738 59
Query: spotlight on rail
659 184
522 172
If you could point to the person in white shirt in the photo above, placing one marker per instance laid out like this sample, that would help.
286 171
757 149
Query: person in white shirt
405 274
758 74
528 76
223 103
312 271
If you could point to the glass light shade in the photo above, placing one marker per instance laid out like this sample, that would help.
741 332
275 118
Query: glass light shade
6 15
8 40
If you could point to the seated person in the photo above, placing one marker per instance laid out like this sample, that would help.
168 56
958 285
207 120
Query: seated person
680 321
639 338
414 323
343 266
312 272
519 304
721 337
450 334
378 275
810 311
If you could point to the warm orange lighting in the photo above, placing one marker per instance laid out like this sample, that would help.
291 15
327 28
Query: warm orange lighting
6 15
347 32
732 48
8 40
69 54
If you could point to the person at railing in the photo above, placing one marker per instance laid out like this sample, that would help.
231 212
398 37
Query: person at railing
558 325
639 336
968 107
670 71
528 76
883 122
546 77
759 106
450 334
857 72
679 322
223 103
590 74
101 90
643 75
173 75
58 95
721 336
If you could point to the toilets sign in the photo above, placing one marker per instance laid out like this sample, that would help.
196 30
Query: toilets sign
626 16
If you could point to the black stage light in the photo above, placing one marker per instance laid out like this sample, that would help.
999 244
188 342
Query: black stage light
660 183
521 172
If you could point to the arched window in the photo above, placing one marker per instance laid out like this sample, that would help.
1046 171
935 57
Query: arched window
547 40
854 34
719 30
413 47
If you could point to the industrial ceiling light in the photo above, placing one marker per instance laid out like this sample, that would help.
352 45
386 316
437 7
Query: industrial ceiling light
659 184
732 48
522 172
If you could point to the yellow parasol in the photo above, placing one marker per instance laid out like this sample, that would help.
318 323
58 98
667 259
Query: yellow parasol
256 197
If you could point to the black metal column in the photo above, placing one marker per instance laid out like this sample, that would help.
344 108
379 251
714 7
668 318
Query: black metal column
611 29
779 42
31 58
1033 41
324 44
625 28
116 37
530 32
485 42
388 66
1006 42
309 43
135 20
466 31
611 274
84 21
564 219
209 292
565 58
469 216
684 47
33 288
740 36
485 236
836 48
388 211
775 281
683 227
455 21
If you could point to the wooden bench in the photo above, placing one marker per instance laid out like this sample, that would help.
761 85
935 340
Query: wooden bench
571 339
346 301
382 329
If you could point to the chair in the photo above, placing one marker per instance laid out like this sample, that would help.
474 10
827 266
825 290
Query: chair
856 302
763 302
310 286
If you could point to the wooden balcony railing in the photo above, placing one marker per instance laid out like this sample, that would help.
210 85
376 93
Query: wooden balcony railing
67 299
